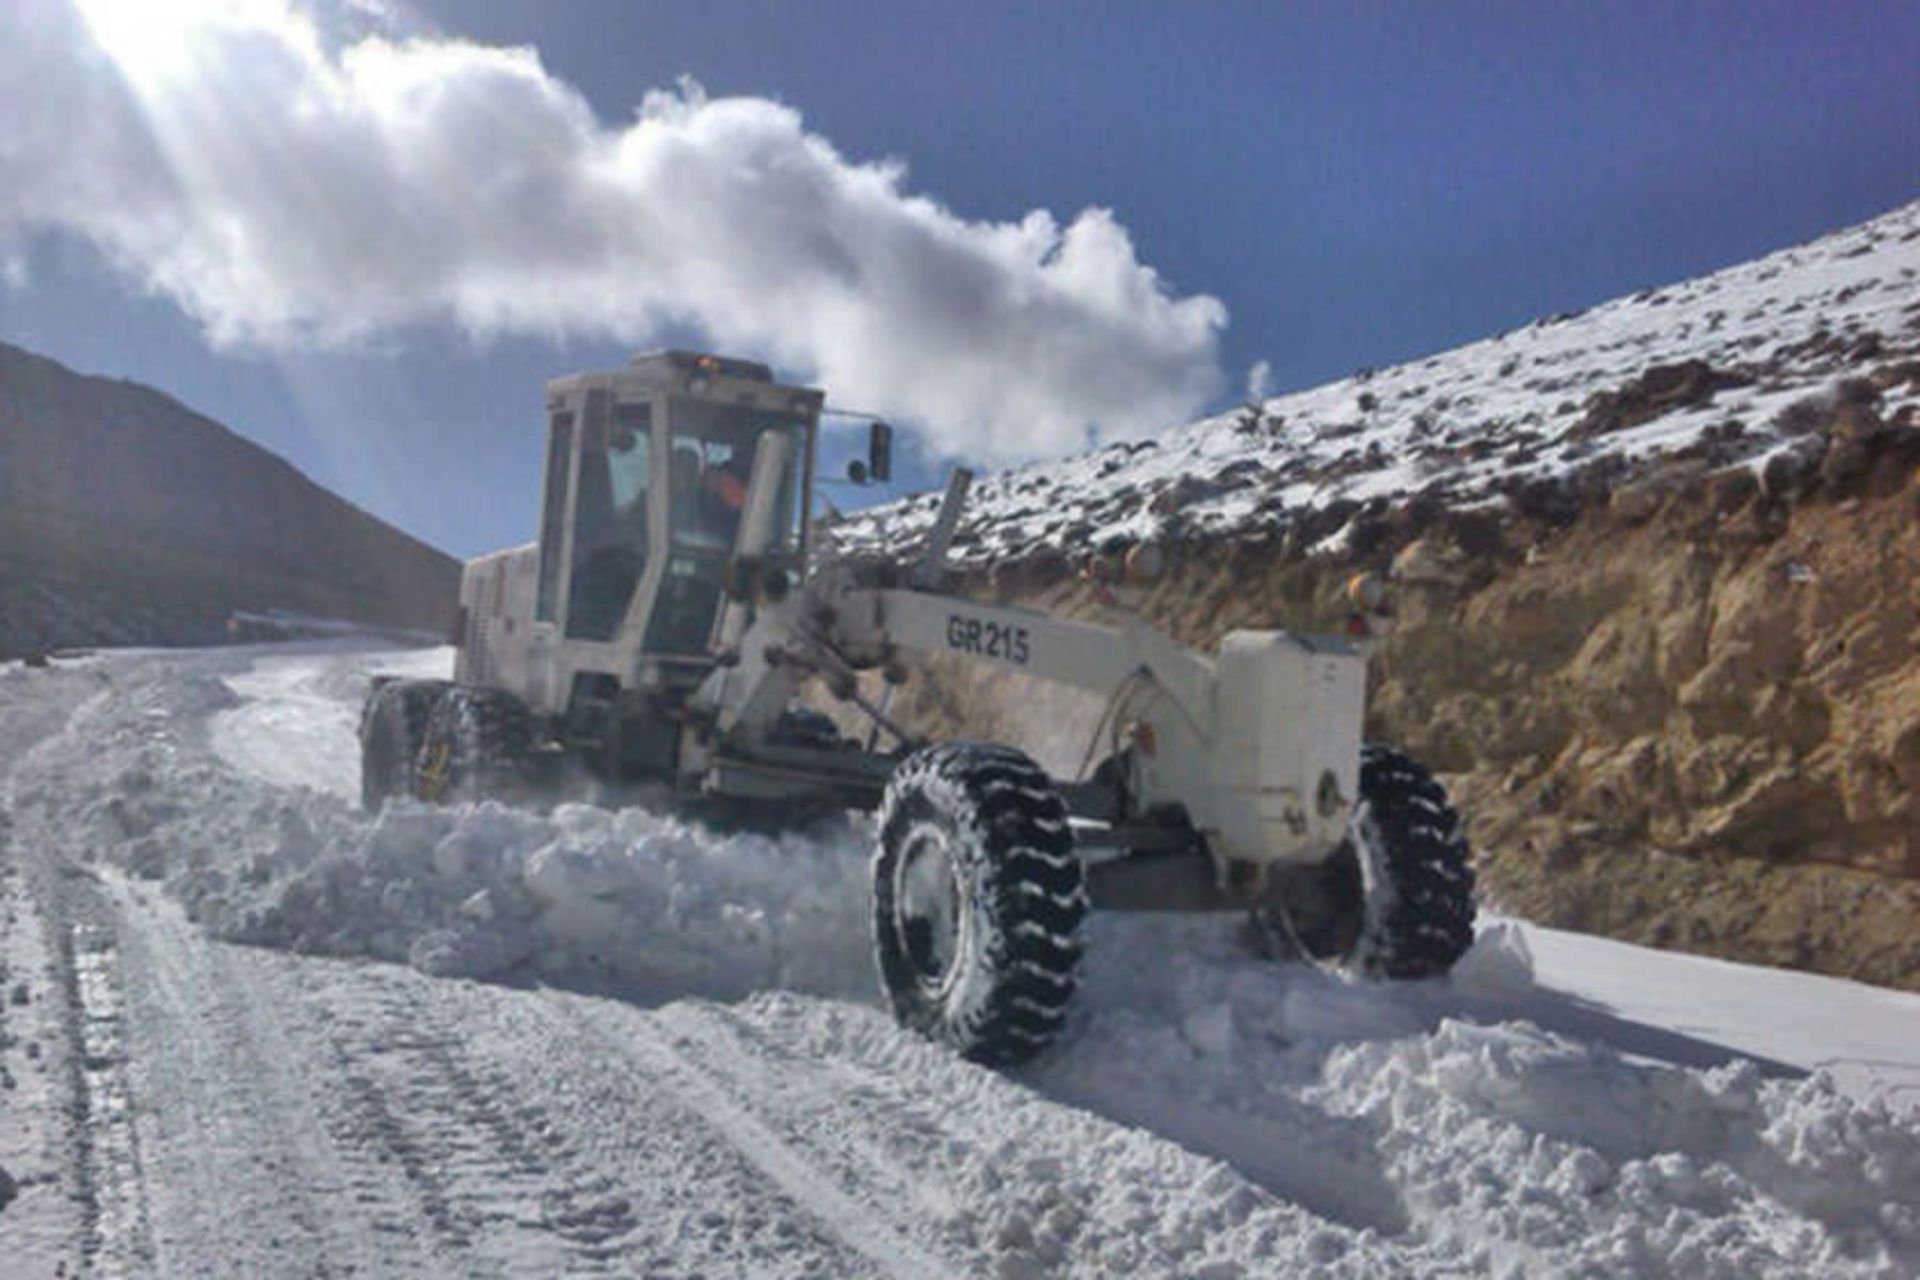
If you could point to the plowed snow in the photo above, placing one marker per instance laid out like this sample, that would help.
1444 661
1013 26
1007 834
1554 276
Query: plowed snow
683 1066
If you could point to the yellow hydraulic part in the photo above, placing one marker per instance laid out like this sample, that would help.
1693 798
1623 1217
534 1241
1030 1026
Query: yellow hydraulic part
434 771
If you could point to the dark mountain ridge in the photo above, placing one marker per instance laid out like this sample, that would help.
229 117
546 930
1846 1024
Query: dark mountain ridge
127 518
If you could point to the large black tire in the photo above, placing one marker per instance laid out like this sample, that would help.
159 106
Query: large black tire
1416 877
978 898
393 723
476 745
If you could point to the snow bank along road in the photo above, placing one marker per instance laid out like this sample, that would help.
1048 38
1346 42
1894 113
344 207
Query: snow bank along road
242 1034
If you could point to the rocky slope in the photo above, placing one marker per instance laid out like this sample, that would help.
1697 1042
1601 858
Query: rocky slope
126 518
1655 608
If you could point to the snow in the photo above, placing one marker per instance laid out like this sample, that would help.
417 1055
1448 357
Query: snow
1462 426
580 895
1866 1038
686 1064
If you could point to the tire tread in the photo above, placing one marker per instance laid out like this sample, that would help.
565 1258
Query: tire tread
1032 878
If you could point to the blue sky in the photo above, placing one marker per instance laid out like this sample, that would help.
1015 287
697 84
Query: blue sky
1357 183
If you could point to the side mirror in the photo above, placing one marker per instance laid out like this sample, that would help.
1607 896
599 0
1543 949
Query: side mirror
880 452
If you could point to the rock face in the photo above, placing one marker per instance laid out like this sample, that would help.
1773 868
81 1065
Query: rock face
1696 728
1658 390
126 518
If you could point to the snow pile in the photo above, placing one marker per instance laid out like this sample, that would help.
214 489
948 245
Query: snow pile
1491 1145
627 901
1727 357
1441 1117
1500 962
1526 1144
1315 1127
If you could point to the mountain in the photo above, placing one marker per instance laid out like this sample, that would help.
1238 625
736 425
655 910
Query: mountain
1651 575
126 518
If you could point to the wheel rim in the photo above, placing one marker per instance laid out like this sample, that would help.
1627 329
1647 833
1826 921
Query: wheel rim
1328 932
928 924
1335 933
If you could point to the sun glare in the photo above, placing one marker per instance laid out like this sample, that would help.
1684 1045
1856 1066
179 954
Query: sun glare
150 42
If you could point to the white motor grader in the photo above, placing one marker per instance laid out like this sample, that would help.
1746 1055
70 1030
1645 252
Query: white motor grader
660 631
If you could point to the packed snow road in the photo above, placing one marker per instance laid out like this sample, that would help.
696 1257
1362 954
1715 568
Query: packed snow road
241 1035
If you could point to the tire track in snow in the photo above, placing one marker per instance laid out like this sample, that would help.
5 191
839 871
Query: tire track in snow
438 1130
41 1222
878 1131
221 1051
1004 1168
116 1232
103 1158
493 1178
440 1121
529 1150
996 1163
863 1225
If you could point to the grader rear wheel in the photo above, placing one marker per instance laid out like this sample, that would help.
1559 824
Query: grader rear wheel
392 726
475 746
1395 900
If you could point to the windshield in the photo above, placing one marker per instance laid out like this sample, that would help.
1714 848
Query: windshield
712 462
710 465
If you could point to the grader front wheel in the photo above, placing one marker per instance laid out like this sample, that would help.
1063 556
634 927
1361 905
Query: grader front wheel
978 898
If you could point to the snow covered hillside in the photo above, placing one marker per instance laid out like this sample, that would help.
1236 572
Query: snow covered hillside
1714 365
236 1040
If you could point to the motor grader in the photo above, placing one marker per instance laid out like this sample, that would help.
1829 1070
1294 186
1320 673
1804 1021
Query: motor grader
677 603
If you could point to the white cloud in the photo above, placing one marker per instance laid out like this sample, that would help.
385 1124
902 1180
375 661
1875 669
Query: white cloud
1259 381
287 190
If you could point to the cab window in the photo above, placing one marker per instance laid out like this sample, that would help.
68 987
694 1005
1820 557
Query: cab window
610 517
554 515
709 491
712 461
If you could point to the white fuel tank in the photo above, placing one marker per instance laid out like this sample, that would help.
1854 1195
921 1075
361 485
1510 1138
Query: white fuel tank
1286 747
